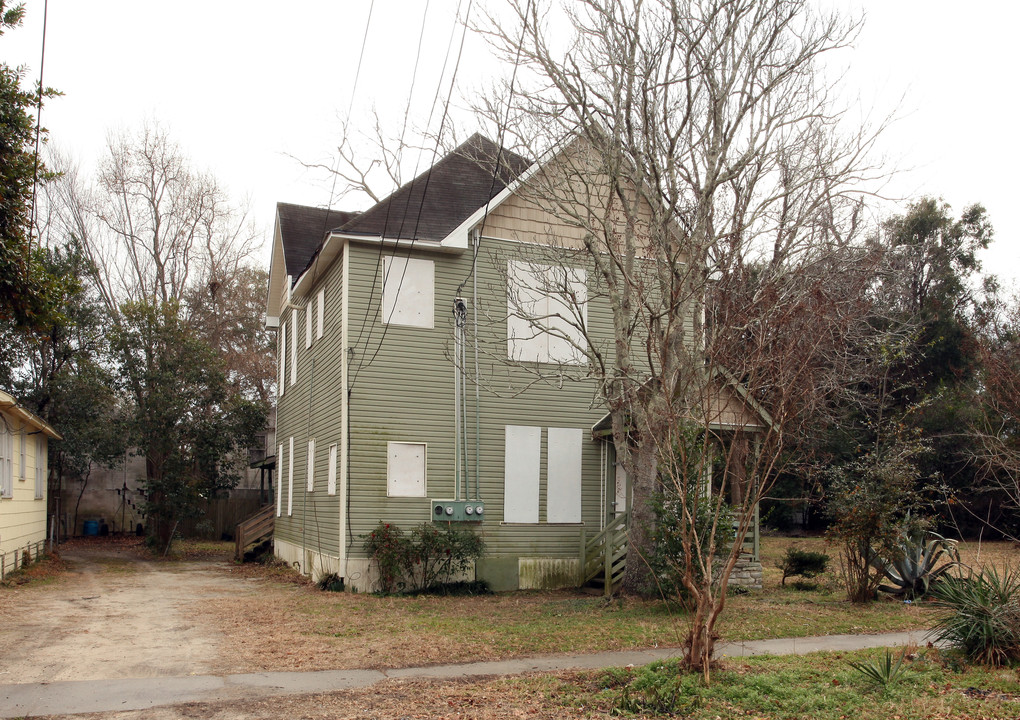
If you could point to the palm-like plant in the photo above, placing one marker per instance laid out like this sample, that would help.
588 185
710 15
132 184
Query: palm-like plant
983 619
915 565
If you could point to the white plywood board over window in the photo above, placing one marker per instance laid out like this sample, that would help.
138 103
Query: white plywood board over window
409 292
522 466
563 490
405 469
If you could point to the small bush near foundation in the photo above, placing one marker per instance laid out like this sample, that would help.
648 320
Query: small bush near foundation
428 557
330 582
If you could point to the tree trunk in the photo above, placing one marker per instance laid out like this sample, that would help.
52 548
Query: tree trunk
643 474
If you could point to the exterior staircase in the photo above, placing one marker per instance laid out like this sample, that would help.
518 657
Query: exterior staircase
603 557
255 529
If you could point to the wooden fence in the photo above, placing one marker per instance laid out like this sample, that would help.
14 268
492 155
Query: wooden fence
220 517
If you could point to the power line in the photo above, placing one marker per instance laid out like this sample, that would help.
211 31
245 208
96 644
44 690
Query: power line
428 176
386 217
38 119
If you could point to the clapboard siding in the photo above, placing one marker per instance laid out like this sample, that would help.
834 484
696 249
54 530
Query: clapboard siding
315 522
402 389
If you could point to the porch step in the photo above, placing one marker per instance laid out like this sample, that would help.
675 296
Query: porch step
256 528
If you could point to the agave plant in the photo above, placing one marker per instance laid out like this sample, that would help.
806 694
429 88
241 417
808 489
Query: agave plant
916 564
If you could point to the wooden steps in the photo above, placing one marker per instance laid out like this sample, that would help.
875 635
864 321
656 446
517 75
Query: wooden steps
256 528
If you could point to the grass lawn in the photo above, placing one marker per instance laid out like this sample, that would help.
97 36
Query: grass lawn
347 630
818 686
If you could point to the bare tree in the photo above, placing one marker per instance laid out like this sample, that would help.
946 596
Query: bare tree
715 192
153 227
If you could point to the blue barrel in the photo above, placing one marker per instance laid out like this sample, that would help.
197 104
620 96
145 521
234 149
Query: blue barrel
90 528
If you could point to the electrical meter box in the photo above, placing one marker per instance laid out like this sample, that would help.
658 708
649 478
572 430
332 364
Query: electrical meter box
458 511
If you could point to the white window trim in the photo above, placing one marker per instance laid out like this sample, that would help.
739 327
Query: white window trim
290 479
279 481
6 462
391 480
40 468
321 315
293 349
331 476
281 358
311 465
308 324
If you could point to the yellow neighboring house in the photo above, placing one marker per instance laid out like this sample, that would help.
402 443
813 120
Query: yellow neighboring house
24 442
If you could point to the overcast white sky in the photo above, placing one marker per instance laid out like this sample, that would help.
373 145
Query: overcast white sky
243 85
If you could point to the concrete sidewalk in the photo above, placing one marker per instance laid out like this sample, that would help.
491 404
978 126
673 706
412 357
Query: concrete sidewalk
65 698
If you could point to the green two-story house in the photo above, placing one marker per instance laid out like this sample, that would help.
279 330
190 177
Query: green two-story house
429 371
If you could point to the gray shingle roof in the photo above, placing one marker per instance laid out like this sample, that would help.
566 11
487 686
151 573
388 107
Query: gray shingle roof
438 200
427 208
303 229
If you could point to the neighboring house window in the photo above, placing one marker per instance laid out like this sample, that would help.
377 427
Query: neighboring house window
281 358
293 349
40 468
6 462
547 308
521 475
309 309
311 465
331 478
405 469
321 315
279 484
22 472
408 292
563 485
290 478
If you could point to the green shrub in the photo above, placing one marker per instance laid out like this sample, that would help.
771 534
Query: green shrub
804 563
439 553
389 549
428 557
655 689
983 619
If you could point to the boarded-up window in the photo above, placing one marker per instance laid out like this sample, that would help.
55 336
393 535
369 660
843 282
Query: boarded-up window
405 469
547 310
331 479
408 292
281 359
290 478
6 463
293 349
321 319
311 465
279 484
309 309
40 468
521 473
563 486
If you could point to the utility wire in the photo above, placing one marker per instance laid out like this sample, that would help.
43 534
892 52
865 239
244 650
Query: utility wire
428 176
386 217
38 119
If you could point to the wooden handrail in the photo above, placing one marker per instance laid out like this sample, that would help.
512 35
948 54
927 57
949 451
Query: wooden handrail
605 553
255 528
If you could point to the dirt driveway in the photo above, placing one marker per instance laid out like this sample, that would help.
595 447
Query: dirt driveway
114 615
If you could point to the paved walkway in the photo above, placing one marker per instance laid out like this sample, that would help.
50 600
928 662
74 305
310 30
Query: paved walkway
59 698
